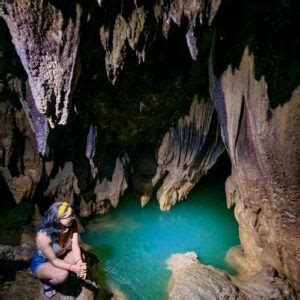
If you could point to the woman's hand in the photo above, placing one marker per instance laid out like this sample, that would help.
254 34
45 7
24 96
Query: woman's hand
78 268
82 274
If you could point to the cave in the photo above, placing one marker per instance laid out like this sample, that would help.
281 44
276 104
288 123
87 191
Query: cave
177 121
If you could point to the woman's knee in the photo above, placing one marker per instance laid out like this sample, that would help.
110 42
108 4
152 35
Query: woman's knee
60 277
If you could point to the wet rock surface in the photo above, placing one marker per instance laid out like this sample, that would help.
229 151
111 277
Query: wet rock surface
192 280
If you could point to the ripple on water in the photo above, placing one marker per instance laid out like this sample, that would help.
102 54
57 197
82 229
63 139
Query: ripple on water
133 243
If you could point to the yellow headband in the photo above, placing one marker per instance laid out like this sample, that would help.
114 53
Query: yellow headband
62 208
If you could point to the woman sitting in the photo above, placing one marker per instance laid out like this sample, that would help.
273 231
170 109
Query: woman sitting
57 252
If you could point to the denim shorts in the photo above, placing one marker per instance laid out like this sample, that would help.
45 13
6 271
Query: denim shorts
36 260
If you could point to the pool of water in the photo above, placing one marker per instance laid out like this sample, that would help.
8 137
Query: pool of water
133 243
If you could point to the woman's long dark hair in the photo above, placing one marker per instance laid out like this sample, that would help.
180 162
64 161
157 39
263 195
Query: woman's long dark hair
50 222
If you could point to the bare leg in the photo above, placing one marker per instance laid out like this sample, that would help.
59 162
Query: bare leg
55 275
48 272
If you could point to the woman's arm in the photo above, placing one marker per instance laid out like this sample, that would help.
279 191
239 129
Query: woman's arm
44 244
77 252
75 247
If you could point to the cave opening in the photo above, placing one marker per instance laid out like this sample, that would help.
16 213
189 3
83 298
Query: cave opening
134 243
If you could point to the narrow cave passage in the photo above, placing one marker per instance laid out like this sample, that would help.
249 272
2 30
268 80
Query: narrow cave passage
133 243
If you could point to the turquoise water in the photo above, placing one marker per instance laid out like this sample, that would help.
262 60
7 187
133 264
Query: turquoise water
133 243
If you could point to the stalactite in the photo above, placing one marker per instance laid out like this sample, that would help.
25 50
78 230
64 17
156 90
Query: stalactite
20 164
46 38
64 185
194 11
90 149
115 41
37 121
193 147
185 154
109 191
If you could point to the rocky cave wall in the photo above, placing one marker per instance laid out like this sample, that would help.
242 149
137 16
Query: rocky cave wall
264 184
256 96
253 79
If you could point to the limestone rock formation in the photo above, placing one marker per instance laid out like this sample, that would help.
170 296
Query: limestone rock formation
64 185
194 11
109 191
20 164
38 122
132 32
26 284
192 280
46 37
135 30
143 177
263 145
186 153
90 149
